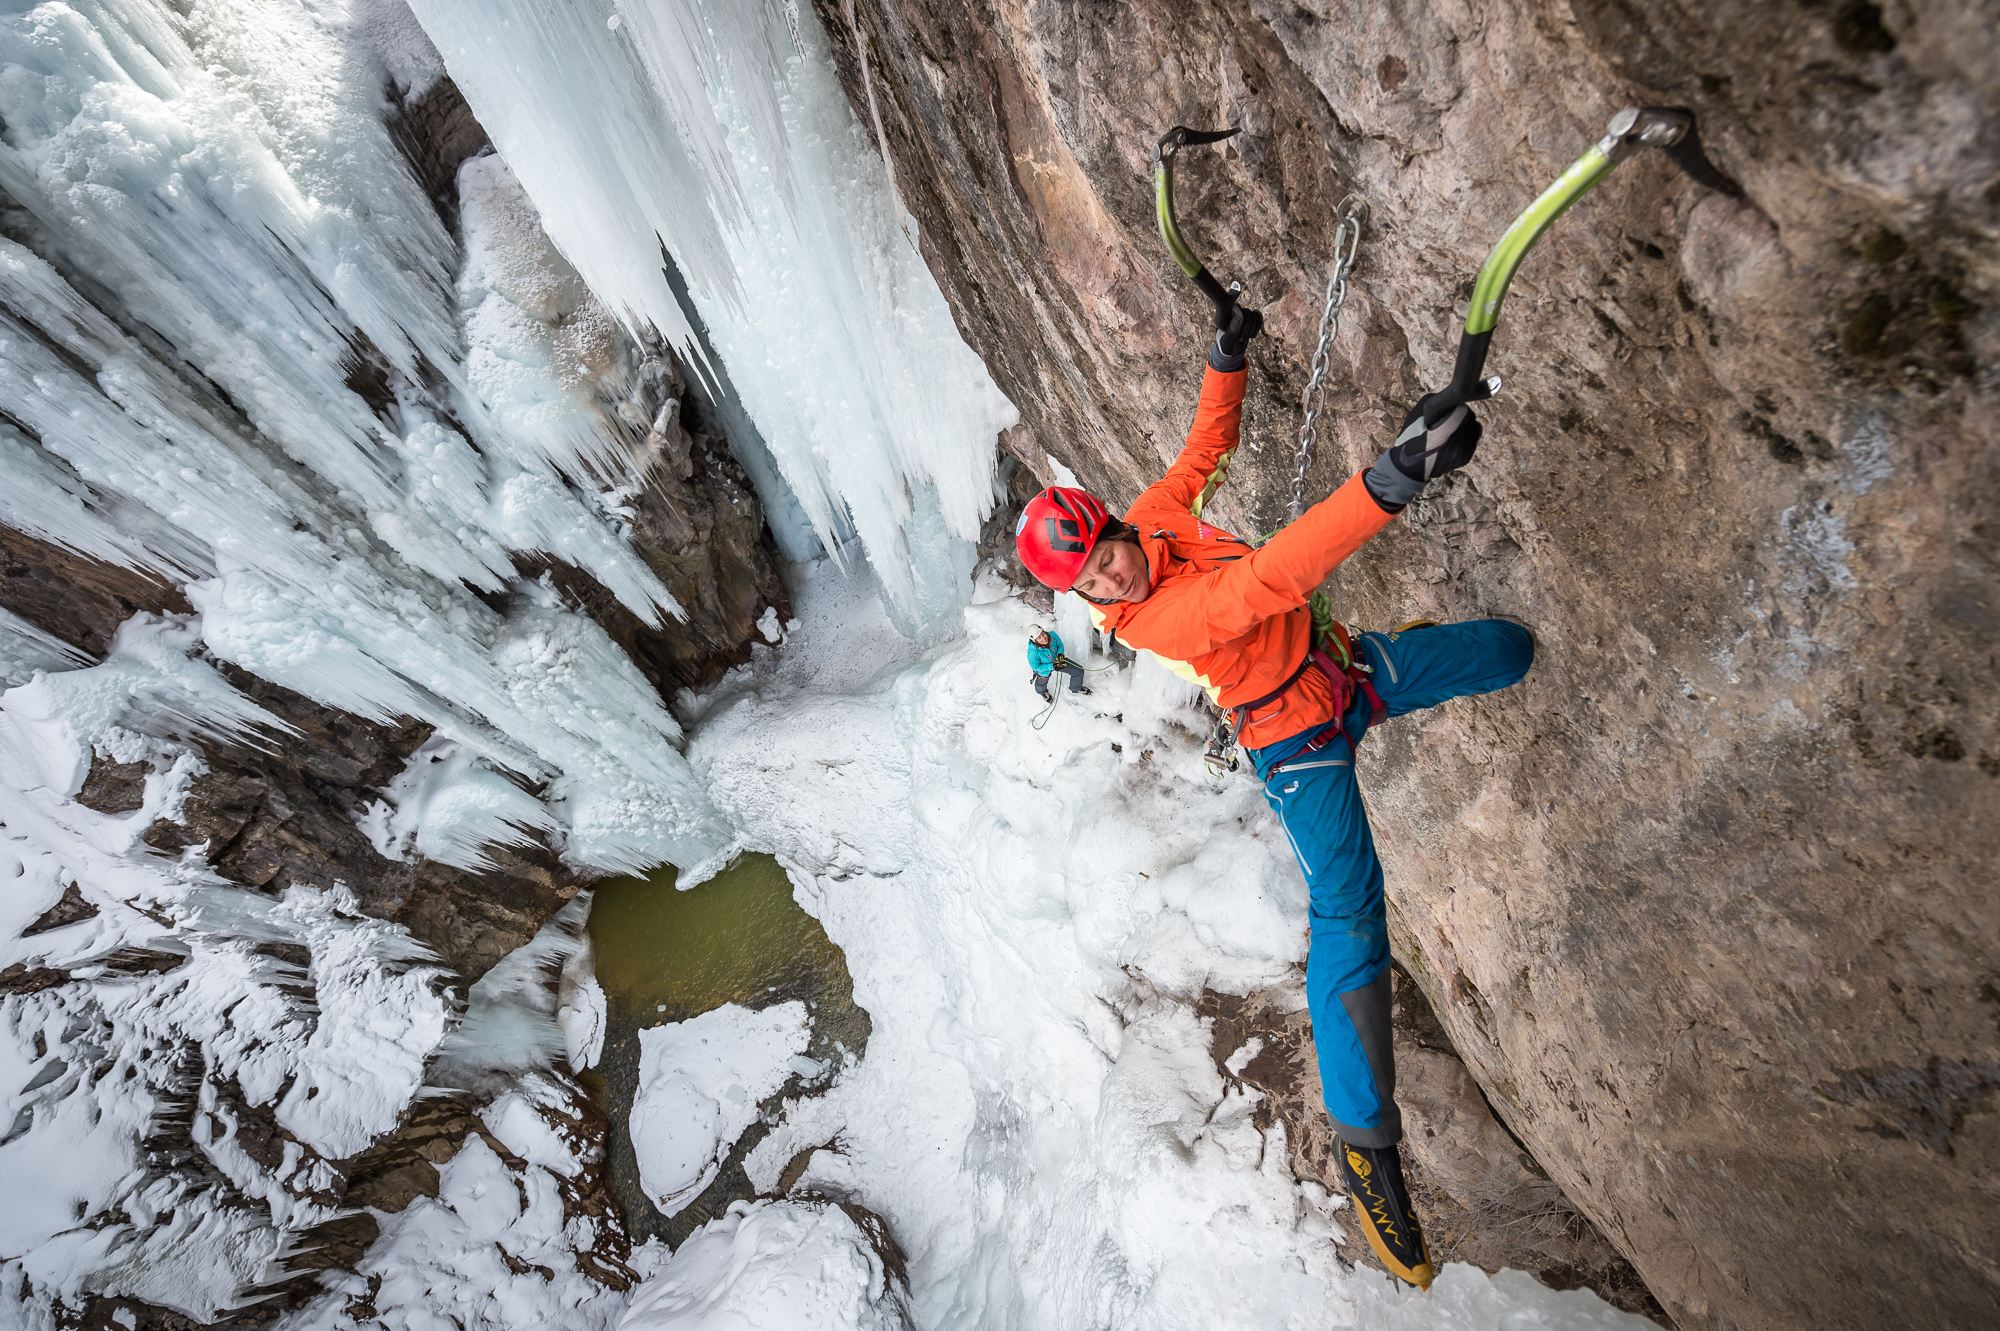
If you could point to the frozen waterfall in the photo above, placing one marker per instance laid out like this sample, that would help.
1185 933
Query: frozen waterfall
719 131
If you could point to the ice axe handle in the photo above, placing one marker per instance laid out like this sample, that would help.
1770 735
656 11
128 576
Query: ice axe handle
1467 381
1180 136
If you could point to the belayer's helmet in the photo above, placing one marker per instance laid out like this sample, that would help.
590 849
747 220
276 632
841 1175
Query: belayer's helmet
1058 528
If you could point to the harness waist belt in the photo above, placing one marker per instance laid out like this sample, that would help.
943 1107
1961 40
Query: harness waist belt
1344 679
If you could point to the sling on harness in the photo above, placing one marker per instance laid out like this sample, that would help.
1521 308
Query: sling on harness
1343 677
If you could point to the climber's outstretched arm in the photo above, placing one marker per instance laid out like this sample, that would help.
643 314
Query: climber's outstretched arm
1204 461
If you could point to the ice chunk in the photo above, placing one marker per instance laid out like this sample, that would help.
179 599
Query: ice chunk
388 28
26 648
700 1082
775 1266
448 806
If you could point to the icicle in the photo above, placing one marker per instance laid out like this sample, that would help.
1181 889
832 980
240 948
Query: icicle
701 126
222 185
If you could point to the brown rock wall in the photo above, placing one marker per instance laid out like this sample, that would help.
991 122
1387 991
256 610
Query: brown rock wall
1706 903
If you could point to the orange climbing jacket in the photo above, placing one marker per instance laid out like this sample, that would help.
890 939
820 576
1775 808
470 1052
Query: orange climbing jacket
1227 616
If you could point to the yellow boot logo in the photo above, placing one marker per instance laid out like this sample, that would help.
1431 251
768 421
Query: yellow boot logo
1359 1163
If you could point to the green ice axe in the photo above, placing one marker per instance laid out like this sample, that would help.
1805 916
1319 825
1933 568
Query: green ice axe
1180 136
1665 127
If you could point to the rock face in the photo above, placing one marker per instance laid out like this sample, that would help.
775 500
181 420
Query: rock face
1706 903
1484 1199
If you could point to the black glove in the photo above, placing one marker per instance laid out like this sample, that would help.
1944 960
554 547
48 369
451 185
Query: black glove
1234 327
1422 455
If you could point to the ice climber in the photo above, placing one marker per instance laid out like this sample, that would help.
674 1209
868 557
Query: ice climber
1045 657
1235 620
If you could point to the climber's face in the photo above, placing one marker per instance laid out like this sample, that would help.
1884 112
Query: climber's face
1115 571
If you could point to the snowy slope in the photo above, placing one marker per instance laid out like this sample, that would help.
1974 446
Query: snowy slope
1028 917
172 1014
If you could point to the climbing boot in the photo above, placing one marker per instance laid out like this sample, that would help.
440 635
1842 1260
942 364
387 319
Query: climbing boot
1382 1206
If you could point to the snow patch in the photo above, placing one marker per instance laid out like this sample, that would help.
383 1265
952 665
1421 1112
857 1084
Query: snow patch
772 1266
581 1010
469 1259
1029 918
701 1083
1464 1298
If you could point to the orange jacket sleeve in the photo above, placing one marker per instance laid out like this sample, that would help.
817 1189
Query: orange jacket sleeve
1204 460
1187 616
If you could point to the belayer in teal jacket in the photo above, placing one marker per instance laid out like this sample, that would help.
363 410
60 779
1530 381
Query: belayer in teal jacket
1045 657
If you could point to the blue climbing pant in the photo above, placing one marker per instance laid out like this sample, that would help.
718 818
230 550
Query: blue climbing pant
1315 794
1041 682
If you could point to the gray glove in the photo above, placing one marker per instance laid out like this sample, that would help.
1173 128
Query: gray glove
1234 327
1421 455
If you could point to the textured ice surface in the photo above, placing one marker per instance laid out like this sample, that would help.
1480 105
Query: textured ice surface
222 179
180 1016
24 649
771 1266
493 1251
720 130
700 1084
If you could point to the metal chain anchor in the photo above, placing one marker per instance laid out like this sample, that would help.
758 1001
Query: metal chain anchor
1346 244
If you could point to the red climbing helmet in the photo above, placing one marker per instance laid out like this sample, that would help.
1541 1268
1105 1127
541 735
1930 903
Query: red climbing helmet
1057 530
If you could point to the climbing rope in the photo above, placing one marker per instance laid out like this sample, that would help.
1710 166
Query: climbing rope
1346 244
1057 688
1056 691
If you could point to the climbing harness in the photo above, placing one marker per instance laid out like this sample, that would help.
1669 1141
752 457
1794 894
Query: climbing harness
1669 128
1345 675
1346 244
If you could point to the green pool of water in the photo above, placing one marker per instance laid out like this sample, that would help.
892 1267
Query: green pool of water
663 955
667 955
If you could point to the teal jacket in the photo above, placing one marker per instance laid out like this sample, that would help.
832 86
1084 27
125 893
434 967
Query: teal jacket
1042 660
